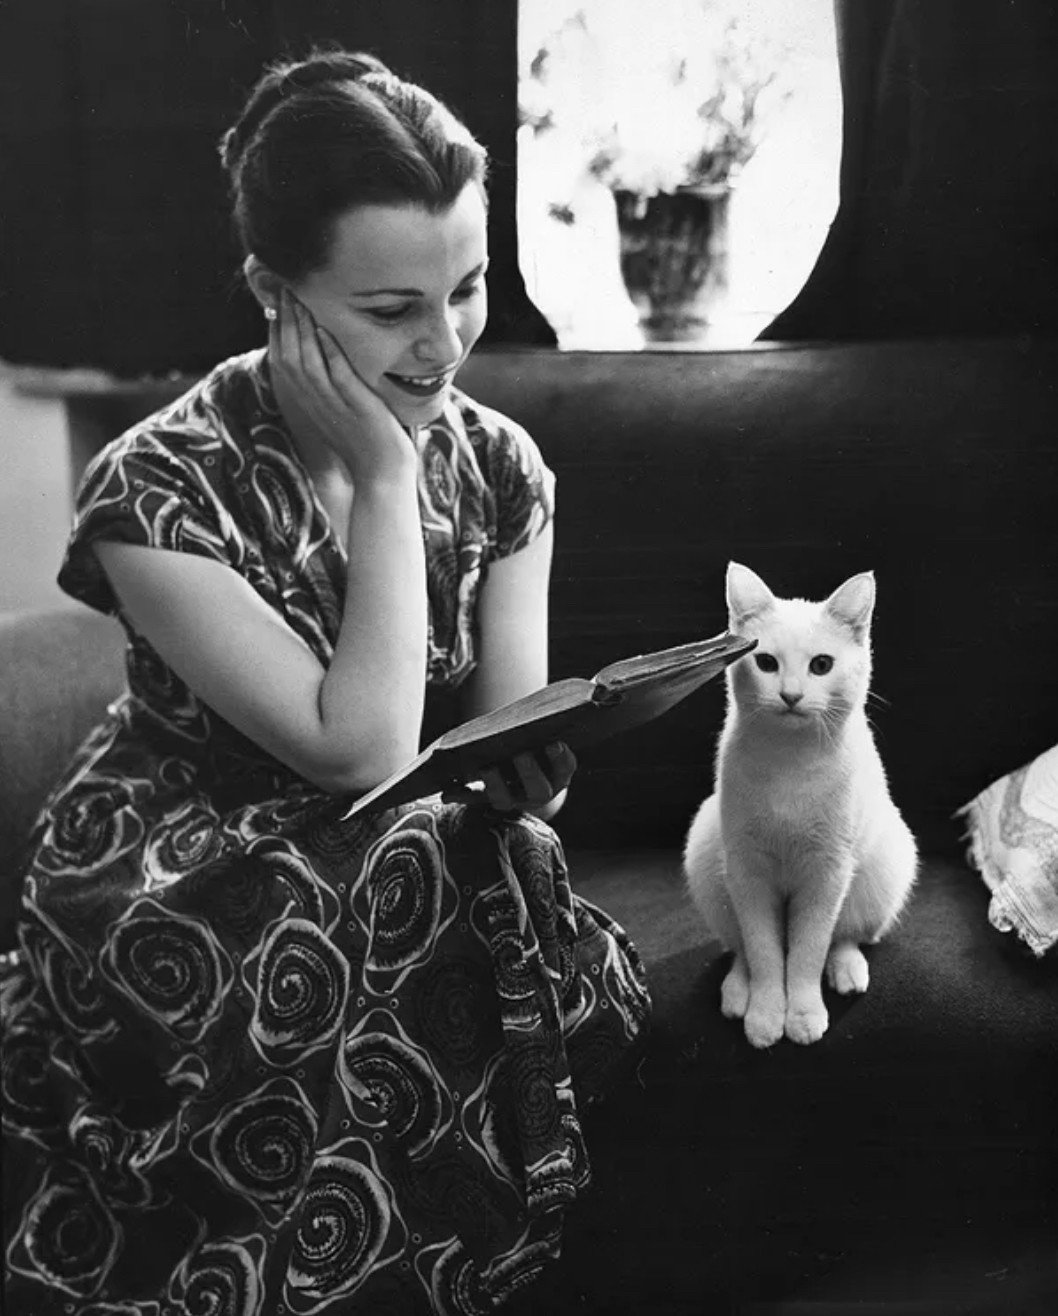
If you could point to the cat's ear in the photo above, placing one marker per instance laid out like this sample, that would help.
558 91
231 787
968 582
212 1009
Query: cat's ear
747 594
853 602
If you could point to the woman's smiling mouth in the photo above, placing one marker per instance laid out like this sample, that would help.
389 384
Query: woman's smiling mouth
420 386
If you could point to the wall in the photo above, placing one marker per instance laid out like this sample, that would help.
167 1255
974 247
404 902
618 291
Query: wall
34 498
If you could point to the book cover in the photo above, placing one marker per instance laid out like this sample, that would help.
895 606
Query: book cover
577 710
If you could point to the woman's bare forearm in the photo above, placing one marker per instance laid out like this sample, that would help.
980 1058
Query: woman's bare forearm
371 697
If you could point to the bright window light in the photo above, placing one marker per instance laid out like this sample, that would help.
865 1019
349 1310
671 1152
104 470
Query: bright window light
677 164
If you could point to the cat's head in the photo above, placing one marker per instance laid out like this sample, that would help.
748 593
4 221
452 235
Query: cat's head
812 663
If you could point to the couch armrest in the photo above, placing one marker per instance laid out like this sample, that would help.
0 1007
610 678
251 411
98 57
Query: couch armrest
58 671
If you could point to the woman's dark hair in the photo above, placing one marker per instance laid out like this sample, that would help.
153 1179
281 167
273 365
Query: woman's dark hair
331 132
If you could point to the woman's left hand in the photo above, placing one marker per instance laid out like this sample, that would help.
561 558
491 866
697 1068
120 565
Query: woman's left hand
528 781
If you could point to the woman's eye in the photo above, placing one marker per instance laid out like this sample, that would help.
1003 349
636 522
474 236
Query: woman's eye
766 662
468 290
821 664
388 314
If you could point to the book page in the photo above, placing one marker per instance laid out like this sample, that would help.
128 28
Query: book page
572 692
721 649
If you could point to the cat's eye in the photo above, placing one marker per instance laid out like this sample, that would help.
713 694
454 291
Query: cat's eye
821 664
767 662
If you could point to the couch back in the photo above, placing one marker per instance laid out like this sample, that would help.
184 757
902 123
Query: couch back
934 463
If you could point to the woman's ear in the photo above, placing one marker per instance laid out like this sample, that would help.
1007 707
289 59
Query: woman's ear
264 285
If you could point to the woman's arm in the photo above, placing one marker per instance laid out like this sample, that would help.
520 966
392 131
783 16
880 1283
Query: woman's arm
512 661
346 728
512 638
349 727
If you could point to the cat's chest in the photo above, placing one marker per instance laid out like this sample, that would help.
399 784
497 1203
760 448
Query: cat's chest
775 797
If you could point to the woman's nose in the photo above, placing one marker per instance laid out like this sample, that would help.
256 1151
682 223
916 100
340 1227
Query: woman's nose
441 344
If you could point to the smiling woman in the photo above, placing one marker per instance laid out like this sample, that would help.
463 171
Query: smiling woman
360 1047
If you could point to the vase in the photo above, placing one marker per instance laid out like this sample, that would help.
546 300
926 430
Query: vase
674 259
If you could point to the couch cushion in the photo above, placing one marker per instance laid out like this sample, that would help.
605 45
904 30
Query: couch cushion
907 1157
59 670
944 968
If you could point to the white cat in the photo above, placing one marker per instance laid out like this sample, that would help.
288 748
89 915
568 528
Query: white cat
800 855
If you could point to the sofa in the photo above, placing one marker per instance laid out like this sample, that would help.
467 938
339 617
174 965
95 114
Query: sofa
908 1162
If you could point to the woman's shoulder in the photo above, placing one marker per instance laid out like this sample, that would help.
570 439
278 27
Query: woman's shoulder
483 424
201 434
171 481
225 401
499 443
520 484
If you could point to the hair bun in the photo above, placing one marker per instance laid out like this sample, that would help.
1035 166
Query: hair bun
286 79
324 65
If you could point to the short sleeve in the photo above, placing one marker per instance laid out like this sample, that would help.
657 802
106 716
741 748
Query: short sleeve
138 490
521 484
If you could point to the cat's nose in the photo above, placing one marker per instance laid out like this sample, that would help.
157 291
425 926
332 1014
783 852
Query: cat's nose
791 700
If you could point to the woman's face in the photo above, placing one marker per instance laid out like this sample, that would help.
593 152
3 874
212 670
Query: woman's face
403 291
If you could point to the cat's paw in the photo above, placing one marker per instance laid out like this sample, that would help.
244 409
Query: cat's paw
734 994
847 970
806 1021
763 1025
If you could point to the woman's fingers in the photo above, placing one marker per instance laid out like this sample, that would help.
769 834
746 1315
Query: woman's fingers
562 764
527 781
332 398
311 354
499 792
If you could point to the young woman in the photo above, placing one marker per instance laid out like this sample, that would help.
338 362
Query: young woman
259 1058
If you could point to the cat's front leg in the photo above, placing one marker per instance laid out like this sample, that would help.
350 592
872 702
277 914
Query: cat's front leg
759 913
812 917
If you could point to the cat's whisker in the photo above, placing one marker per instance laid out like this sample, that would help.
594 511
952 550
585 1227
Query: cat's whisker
829 725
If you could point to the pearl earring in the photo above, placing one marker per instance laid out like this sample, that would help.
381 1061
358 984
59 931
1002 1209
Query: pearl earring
270 313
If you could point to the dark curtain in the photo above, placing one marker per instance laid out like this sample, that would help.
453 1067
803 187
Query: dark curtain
115 245
948 214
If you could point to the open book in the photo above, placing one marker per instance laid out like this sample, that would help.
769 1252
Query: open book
577 710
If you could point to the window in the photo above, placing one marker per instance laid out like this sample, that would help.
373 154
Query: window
678 164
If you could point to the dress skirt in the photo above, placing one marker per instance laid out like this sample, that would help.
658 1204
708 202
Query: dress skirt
303 1064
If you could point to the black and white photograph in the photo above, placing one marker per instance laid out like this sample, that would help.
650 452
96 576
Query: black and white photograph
528 632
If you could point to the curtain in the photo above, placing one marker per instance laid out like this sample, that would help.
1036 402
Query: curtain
115 243
948 216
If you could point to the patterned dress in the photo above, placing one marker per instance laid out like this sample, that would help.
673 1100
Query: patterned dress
260 1060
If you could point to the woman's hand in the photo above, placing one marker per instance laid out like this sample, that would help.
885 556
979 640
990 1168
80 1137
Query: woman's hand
528 781
324 398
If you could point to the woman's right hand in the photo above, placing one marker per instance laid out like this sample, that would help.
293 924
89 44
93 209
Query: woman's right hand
324 398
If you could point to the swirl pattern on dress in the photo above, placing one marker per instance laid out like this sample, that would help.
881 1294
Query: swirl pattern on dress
110 1152
92 831
392 1083
345 1222
73 989
262 1145
28 1100
67 1235
300 982
402 884
456 1287
188 839
170 966
221 1279
281 865
456 1012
